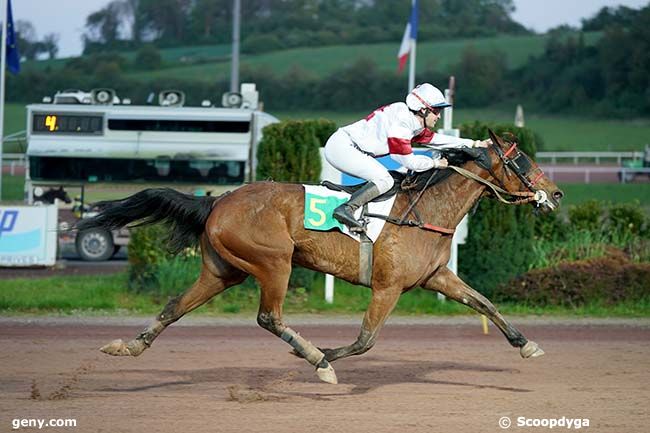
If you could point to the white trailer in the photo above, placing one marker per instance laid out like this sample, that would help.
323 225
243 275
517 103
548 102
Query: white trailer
85 138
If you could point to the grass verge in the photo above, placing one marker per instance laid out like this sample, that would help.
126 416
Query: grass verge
88 295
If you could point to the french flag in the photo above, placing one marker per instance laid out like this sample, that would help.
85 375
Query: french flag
410 36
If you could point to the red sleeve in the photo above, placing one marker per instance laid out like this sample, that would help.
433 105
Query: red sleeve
423 137
399 146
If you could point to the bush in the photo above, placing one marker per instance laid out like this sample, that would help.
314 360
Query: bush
550 227
153 270
587 216
500 241
610 279
258 43
290 151
148 58
147 249
627 219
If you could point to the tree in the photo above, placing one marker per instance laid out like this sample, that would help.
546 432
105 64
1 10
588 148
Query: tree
104 25
622 16
26 39
480 77
50 45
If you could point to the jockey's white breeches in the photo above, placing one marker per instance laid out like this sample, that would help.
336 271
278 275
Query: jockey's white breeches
341 152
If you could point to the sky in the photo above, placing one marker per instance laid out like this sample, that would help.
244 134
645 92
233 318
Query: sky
67 17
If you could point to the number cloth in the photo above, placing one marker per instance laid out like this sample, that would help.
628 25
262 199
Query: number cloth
321 201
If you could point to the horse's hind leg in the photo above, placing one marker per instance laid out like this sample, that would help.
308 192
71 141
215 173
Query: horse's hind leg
447 283
381 305
216 276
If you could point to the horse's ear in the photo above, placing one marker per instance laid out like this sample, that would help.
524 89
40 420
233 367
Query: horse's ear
495 139
61 188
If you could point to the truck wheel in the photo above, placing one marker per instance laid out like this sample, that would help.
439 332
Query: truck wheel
95 245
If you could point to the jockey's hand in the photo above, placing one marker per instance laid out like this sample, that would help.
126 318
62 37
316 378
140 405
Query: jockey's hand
482 143
440 163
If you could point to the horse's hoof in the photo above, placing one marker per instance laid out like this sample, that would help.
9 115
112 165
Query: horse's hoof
327 374
118 348
115 348
531 350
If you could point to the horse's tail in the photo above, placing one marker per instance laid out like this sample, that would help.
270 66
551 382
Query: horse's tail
184 213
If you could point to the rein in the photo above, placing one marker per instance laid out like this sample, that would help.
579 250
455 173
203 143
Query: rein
528 196
524 198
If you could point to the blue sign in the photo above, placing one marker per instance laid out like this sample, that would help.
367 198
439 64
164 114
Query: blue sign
28 235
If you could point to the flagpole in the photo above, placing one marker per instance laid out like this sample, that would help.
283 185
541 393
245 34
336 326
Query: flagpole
3 15
412 65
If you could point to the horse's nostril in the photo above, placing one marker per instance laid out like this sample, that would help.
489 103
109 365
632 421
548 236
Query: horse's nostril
557 195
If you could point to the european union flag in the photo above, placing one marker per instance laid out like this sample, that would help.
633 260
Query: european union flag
13 58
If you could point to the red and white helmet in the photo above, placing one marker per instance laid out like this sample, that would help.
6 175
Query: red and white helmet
427 96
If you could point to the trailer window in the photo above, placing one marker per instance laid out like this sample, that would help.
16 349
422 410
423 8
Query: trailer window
128 170
178 125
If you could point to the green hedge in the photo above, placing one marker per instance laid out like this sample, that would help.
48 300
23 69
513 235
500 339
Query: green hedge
610 279
289 150
500 239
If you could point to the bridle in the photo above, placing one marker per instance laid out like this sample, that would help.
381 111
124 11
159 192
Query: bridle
528 172
524 168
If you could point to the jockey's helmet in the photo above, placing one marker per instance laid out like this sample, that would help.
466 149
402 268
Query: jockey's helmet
426 96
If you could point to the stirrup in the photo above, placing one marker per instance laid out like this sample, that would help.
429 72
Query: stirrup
347 218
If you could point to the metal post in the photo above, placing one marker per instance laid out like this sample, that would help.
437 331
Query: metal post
412 65
3 16
234 66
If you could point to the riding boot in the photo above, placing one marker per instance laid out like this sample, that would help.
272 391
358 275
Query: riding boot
345 212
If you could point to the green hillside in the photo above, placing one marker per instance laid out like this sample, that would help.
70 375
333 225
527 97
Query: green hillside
322 61
560 133
566 133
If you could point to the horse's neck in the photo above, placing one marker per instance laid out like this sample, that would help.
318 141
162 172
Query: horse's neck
447 203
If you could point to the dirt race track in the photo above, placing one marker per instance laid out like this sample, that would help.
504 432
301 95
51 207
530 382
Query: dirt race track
226 376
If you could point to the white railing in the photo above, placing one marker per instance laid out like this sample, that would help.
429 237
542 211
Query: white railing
577 157
13 160
625 174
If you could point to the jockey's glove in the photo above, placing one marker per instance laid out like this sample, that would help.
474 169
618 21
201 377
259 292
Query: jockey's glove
481 143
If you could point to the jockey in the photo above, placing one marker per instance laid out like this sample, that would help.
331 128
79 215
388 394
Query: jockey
390 130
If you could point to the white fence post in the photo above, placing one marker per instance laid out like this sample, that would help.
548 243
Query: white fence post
333 175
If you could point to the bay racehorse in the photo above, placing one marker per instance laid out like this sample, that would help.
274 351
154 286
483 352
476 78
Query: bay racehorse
258 230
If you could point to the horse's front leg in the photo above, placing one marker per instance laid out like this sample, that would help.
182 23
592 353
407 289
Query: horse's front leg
447 283
382 303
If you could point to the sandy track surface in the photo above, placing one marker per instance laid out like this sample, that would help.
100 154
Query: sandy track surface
212 376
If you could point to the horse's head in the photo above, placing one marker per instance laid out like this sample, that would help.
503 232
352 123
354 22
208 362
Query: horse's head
52 194
517 172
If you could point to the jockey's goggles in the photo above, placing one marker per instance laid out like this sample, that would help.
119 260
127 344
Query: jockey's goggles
435 108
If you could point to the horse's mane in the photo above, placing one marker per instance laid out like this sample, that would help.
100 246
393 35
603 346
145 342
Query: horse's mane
456 157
